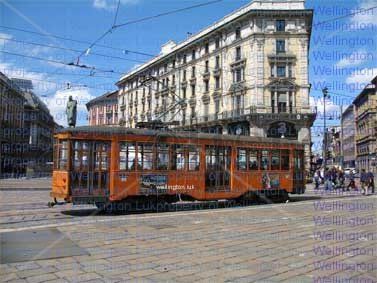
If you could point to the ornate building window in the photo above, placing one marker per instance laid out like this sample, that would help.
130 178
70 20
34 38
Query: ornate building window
217 63
184 75
206 86
193 112
217 82
238 53
238 75
184 93
280 46
207 66
280 25
281 71
282 102
238 33
193 90
183 116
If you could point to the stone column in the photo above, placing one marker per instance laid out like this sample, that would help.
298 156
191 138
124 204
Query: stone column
304 137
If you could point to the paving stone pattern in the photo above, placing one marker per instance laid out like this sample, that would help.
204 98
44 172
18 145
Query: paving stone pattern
320 239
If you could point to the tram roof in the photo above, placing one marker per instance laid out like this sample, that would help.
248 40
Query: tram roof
109 131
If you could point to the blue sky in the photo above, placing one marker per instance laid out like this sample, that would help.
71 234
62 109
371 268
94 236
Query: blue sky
349 47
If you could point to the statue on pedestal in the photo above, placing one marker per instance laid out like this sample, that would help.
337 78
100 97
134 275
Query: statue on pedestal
71 112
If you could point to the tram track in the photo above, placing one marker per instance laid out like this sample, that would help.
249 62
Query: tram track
91 216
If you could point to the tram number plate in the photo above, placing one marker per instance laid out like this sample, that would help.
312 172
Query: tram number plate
153 184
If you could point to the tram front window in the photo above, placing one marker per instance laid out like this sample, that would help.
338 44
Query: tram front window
61 155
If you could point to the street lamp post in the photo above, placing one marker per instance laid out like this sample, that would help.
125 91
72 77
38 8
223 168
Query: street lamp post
325 92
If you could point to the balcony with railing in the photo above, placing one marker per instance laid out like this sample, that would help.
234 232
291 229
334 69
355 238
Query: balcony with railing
245 113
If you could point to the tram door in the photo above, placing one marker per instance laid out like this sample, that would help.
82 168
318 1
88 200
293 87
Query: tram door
218 168
298 171
90 168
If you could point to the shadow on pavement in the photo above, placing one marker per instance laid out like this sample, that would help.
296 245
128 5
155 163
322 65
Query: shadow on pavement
154 207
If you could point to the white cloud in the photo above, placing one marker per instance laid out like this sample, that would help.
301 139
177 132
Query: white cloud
355 59
39 80
367 17
362 76
111 5
38 50
4 37
58 102
332 109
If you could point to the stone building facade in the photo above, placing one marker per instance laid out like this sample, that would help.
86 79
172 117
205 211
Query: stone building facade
349 137
103 110
366 138
12 136
27 128
246 74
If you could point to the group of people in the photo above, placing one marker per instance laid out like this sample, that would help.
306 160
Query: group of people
335 178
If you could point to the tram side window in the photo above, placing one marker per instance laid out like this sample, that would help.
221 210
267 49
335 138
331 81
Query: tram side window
265 160
101 156
194 159
61 155
162 157
81 155
127 156
210 158
253 160
284 159
275 160
241 159
178 158
145 156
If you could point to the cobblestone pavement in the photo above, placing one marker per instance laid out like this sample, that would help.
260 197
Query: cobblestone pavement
319 237
25 183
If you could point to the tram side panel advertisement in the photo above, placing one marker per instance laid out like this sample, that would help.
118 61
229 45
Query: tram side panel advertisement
153 184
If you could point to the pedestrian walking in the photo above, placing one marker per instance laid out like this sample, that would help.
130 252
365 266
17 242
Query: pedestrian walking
371 181
351 183
317 179
328 180
364 180
341 179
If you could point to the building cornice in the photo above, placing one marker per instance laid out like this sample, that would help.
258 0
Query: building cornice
249 9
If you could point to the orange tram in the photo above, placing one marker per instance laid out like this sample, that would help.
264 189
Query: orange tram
114 165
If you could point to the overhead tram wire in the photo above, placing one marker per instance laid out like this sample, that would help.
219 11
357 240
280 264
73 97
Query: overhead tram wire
168 13
143 53
59 62
116 13
70 49
115 26
65 84
77 41
139 52
110 30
